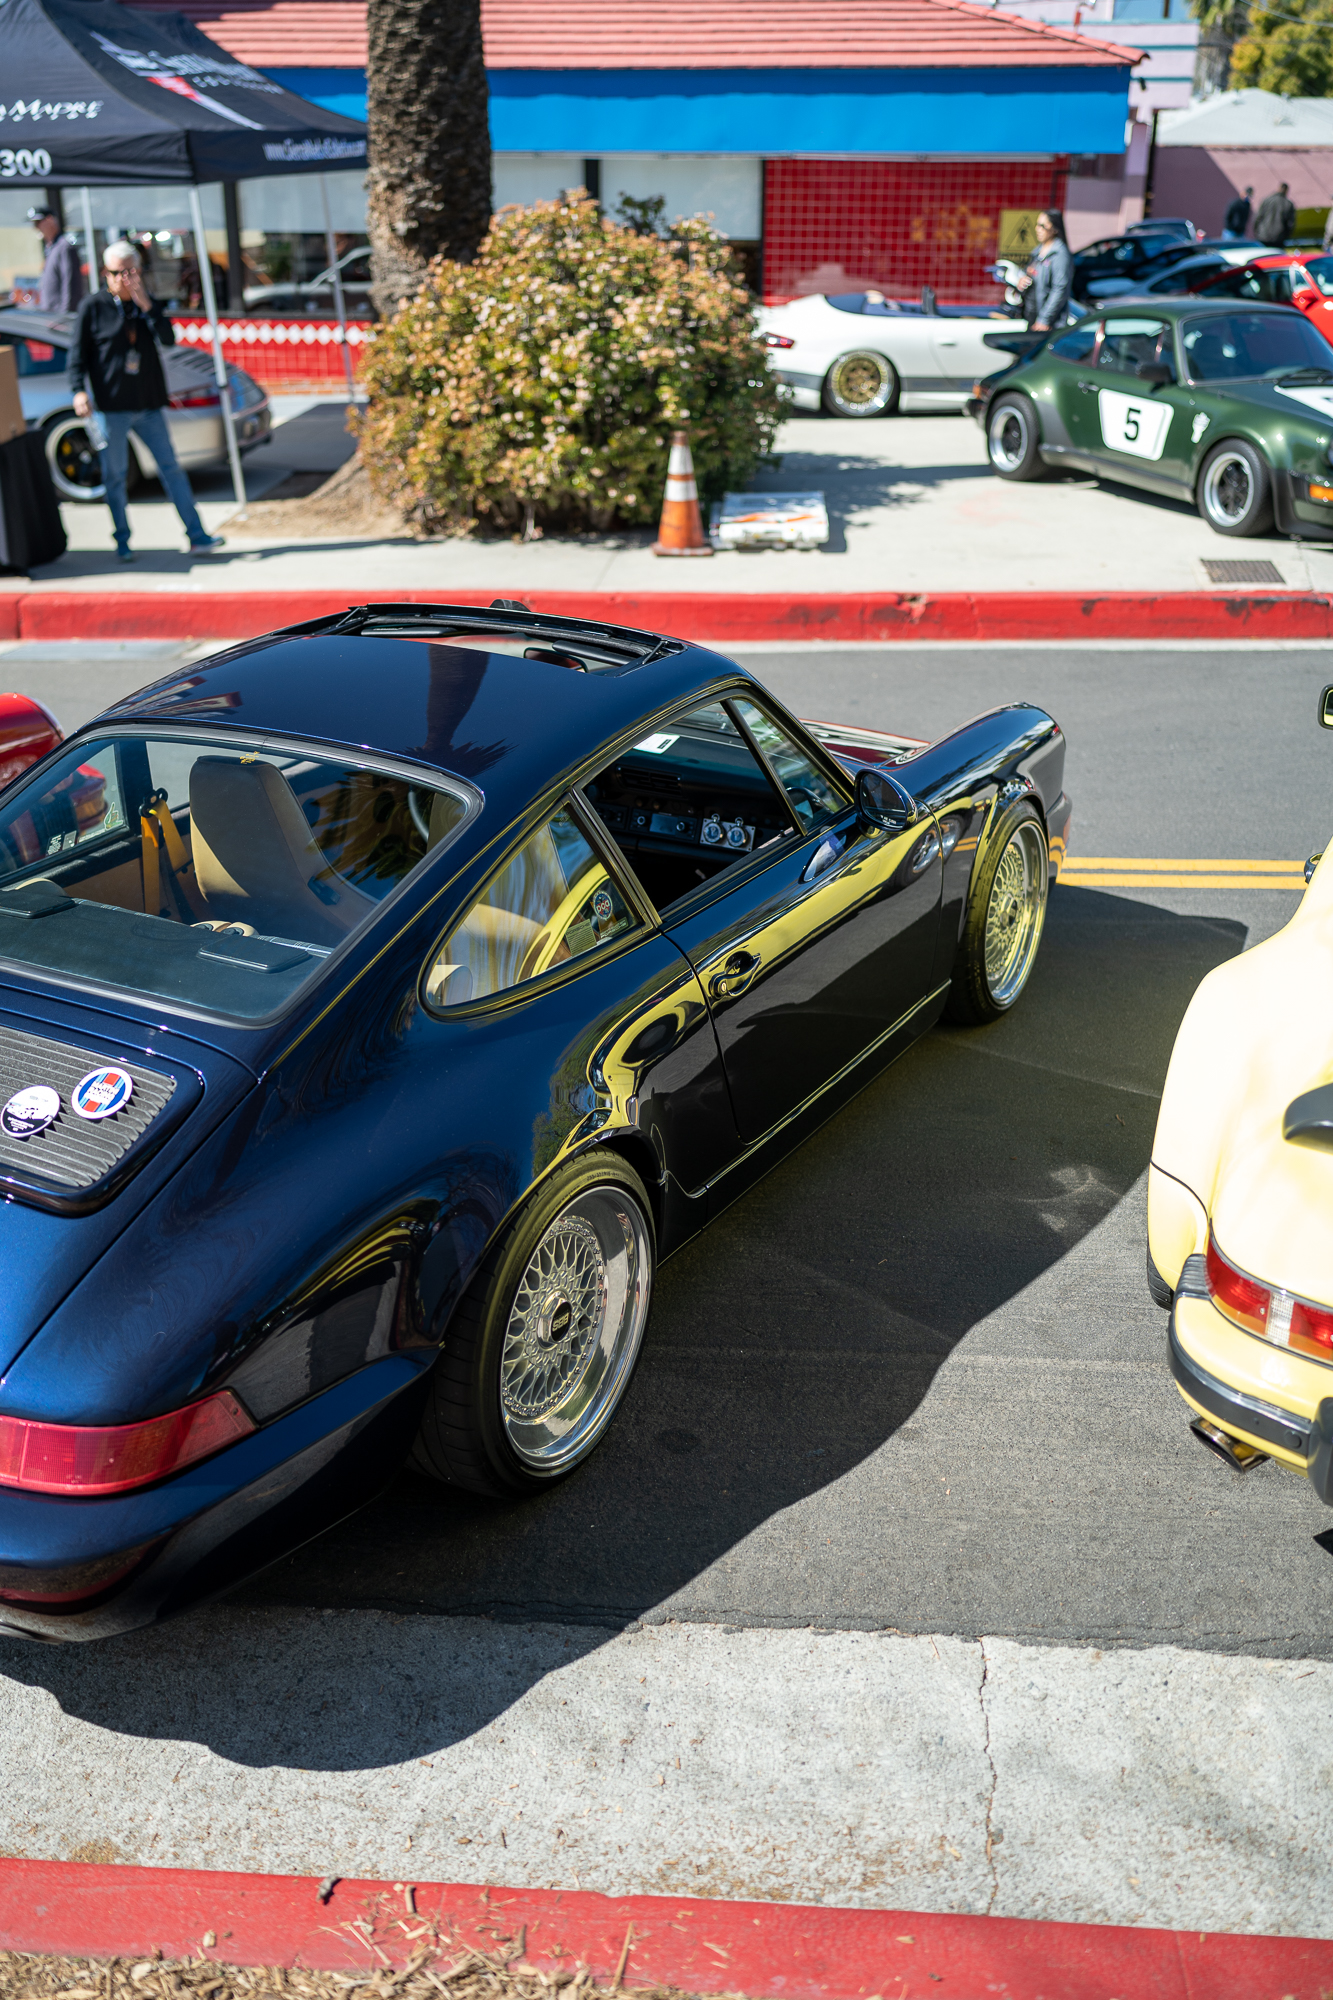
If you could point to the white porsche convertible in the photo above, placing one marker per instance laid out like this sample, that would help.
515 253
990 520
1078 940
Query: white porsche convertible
857 354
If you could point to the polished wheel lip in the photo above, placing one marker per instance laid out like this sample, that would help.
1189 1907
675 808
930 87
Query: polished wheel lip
67 488
1003 453
861 363
1015 913
574 1329
1215 500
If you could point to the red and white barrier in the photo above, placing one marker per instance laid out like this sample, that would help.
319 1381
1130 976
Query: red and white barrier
282 353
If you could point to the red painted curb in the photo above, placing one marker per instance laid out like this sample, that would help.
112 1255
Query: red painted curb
769 1949
771 617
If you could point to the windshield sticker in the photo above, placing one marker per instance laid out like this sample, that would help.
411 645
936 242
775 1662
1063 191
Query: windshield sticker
102 1093
30 1111
1318 400
1136 425
655 745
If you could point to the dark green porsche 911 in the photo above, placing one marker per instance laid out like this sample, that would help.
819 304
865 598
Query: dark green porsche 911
1228 406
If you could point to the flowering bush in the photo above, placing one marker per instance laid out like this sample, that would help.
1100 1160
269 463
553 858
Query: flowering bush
541 383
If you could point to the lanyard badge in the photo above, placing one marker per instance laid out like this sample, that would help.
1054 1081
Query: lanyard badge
132 358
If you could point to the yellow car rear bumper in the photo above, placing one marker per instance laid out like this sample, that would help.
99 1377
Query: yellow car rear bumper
1279 1402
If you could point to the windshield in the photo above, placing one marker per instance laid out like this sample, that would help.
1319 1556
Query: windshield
212 872
1321 270
1242 345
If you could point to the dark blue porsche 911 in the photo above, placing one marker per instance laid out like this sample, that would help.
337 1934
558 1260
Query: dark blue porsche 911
380 1002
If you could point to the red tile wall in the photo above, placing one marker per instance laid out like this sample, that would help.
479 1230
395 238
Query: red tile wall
844 225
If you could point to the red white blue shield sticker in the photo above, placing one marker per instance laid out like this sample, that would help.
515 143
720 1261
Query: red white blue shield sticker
30 1111
102 1093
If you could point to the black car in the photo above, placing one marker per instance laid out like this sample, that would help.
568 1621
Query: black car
383 1000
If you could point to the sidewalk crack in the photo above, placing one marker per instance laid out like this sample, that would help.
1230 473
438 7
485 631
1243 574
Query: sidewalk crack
994 1779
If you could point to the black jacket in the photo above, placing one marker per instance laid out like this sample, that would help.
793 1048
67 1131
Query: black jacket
1238 216
100 345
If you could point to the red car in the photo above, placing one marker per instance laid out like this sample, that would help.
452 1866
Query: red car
1301 278
28 730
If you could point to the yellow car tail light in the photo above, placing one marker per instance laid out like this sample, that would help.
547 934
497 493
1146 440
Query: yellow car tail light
1268 1310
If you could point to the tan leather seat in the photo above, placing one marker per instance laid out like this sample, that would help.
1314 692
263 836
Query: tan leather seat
255 861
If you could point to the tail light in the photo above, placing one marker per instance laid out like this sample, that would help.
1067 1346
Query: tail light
1268 1310
198 399
88 1461
778 340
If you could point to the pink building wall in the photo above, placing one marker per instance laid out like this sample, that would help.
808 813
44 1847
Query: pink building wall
1199 181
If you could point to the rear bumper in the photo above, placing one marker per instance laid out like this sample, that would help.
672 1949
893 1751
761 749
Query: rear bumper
88 1569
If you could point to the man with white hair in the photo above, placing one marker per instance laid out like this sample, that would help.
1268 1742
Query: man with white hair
115 373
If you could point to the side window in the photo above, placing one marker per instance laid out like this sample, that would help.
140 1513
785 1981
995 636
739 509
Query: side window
688 801
1076 345
815 799
550 902
1128 343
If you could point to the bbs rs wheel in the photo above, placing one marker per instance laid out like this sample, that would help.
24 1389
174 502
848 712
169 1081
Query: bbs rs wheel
1013 442
1236 489
862 384
1002 926
540 1351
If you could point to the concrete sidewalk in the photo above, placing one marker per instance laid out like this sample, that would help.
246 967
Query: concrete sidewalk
912 502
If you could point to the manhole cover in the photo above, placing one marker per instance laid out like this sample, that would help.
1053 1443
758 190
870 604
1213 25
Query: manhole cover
1221 571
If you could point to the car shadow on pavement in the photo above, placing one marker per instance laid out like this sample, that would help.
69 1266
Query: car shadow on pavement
788 1346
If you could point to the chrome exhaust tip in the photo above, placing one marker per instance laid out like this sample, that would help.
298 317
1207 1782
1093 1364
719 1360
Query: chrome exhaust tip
1239 1456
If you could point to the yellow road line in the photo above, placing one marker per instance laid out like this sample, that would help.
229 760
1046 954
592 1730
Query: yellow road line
1125 871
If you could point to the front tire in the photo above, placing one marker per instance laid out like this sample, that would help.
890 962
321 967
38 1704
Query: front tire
1235 492
1013 440
541 1349
1006 912
861 384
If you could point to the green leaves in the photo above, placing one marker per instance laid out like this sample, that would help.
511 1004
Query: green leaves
547 375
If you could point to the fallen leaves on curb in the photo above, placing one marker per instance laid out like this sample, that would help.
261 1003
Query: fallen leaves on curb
471 1976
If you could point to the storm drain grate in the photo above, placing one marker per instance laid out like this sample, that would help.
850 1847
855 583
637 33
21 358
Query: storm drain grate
1220 570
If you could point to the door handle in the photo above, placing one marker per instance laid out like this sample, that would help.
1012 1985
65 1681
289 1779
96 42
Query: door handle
735 975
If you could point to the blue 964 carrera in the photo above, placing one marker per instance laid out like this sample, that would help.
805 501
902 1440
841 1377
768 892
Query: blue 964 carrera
381 1002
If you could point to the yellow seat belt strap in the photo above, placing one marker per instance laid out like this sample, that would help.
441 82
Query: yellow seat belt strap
152 887
177 859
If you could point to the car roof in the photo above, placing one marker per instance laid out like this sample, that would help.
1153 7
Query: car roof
513 726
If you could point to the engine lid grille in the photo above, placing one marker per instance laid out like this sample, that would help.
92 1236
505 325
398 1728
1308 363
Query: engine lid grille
73 1152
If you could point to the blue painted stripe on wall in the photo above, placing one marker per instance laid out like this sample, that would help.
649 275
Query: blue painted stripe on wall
990 113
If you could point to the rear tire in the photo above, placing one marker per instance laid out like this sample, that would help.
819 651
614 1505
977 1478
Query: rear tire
861 384
1159 1290
541 1349
1235 491
76 470
1013 439
1002 928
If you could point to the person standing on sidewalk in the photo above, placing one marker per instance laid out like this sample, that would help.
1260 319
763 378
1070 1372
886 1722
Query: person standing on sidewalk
115 373
1237 218
1276 219
61 285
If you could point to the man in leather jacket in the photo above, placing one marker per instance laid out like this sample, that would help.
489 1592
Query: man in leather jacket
115 374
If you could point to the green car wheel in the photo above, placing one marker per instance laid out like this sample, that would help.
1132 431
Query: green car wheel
1236 490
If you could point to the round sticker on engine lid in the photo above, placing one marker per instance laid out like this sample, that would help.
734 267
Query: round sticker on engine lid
30 1111
102 1093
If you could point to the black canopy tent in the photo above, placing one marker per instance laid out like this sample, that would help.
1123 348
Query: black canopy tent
99 95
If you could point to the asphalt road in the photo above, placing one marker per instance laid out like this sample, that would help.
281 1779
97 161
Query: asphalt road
914 1381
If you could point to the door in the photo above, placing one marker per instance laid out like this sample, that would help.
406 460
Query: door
817 938
961 354
1139 426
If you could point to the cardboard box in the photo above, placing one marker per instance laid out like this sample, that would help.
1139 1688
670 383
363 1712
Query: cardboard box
12 421
769 521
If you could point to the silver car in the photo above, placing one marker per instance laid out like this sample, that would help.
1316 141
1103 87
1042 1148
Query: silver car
194 410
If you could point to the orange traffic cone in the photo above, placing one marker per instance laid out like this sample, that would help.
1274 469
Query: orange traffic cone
681 531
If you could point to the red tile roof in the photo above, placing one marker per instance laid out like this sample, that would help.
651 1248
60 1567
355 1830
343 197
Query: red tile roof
672 34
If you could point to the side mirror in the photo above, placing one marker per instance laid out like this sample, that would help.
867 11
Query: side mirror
1326 708
883 802
1156 372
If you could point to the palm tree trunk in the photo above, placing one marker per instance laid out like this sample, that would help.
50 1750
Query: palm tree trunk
429 184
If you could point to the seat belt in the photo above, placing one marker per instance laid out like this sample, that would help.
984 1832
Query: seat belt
158 829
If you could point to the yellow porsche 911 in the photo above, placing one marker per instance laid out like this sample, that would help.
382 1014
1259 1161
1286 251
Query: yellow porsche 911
1240 1192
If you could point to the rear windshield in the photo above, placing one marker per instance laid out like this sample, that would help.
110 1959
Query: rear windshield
1321 270
215 873
1245 346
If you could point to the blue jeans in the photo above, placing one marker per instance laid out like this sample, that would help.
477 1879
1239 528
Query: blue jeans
152 428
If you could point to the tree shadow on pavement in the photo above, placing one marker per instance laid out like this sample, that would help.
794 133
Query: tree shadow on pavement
788 1345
